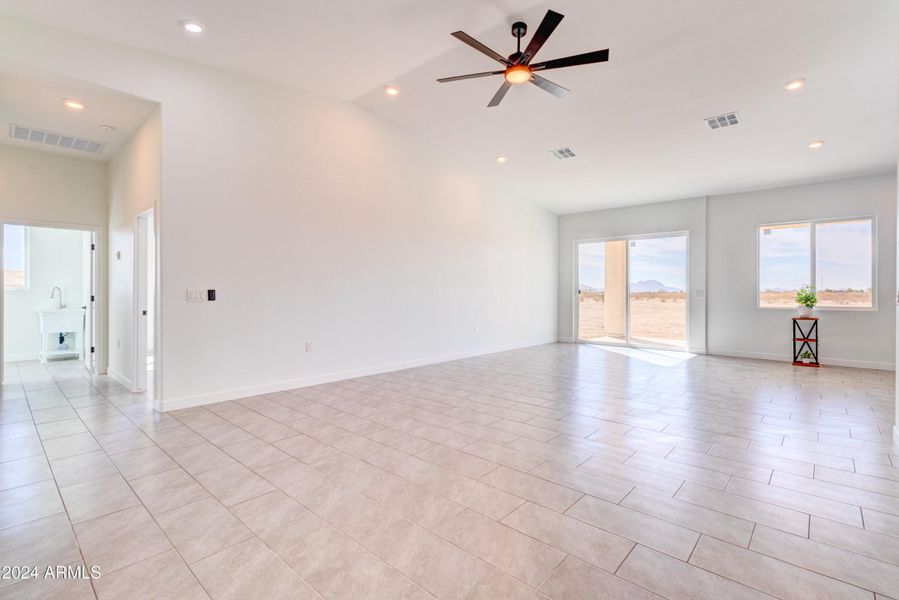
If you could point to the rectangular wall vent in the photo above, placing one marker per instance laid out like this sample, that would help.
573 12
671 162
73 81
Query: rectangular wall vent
562 153
49 138
725 120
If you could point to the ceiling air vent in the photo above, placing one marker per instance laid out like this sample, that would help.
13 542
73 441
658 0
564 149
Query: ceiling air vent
725 120
49 138
562 153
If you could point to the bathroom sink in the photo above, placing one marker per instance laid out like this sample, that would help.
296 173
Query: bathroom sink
61 320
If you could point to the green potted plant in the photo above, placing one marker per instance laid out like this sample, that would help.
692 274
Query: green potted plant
806 299
806 357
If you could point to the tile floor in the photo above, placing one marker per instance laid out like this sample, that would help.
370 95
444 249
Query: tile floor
561 471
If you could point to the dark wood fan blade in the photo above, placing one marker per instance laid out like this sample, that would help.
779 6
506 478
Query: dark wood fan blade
500 94
571 61
472 76
545 84
467 39
547 26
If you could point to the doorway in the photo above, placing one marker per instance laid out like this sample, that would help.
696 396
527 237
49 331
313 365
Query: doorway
633 291
49 300
145 303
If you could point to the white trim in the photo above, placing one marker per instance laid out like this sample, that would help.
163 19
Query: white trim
280 386
121 379
835 362
896 434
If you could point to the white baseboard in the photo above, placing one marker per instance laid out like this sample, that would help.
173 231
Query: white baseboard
836 362
280 386
124 381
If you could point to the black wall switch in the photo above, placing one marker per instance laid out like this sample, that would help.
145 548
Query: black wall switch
210 295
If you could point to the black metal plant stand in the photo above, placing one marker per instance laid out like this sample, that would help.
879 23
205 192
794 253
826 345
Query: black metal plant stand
806 340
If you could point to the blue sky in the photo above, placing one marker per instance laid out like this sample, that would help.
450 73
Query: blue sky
843 257
662 259
14 247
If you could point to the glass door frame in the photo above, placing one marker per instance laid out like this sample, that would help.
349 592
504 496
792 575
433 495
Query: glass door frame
628 341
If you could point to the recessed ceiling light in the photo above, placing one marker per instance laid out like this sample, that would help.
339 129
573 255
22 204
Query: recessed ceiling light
107 128
794 84
501 159
391 91
193 26
73 104
816 144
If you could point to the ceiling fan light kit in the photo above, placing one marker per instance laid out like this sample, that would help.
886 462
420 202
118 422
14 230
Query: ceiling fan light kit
518 66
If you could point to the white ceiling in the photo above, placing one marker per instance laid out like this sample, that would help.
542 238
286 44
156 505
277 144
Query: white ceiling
636 123
33 98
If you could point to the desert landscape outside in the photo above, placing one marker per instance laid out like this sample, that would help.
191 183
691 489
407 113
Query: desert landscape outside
656 317
826 298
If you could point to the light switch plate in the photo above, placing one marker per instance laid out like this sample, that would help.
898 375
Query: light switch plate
196 295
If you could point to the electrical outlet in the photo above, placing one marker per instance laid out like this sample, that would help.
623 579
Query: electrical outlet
476 328
308 346
196 295
118 344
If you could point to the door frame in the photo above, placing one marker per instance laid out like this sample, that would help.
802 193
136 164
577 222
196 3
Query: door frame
140 290
98 278
628 342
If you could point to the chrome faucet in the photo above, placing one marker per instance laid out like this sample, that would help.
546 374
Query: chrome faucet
53 295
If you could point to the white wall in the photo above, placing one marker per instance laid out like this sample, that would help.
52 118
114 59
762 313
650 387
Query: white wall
315 221
681 215
738 327
44 188
134 187
55 258
730 315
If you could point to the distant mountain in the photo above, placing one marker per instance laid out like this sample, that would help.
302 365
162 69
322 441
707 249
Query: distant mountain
652 285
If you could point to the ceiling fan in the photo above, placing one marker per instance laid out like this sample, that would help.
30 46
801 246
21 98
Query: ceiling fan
518 67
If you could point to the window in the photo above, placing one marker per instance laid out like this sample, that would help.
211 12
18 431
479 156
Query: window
15 257
837 257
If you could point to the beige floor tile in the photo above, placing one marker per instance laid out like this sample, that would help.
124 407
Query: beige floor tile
20 448
723 465
120 539
499 585
601 548
255 453
161 577
785 519
167 490
55 429
678 580
576 580
400 440
505 548
710 522
750 456
769 575
796 500
202 528
50 589
644 529
29 502
457 461
535 489
601 486
234 483
23 471
97 497
305 448
681 471
828 560
70 445
501 455
881 522
142 462
41 543
354 514
250 570
861 541
199 458
860 481
838 492
81 468
436 565
174 437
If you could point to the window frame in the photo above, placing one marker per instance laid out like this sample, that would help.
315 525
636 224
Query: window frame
26 285
813 252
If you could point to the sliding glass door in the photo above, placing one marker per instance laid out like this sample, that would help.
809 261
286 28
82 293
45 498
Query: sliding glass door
633 291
